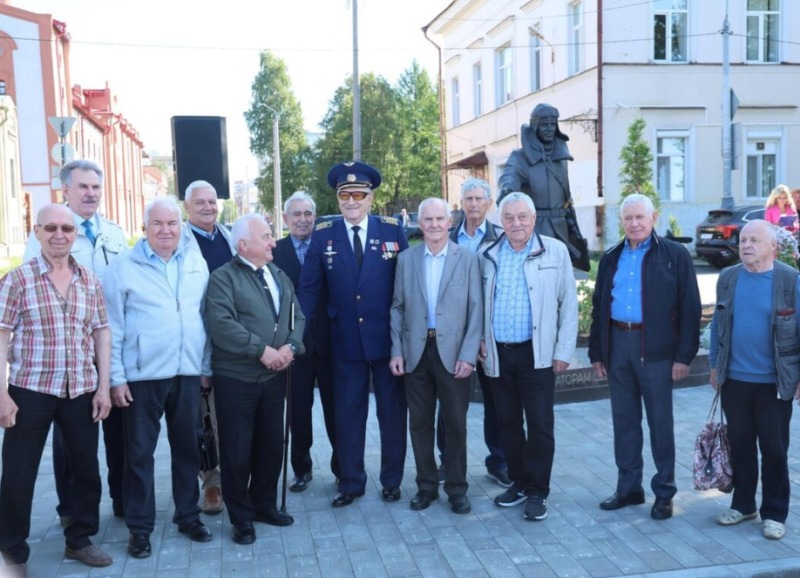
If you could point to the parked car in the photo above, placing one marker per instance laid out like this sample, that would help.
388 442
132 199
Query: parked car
717 239
412 229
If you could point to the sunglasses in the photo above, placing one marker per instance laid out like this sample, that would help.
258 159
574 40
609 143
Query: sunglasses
51 228
355 195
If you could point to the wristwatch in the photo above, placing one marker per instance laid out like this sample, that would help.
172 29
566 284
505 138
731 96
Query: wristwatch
293 348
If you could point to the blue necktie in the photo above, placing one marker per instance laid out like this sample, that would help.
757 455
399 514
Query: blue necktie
89 229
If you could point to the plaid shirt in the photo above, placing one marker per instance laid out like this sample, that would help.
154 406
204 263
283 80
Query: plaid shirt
51 350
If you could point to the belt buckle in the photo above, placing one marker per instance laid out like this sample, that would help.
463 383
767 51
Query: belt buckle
628 325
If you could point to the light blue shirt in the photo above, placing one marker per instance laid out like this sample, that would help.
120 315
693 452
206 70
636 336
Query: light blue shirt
434 266
472 243
626 293
169 267
203 233
300 248
512 321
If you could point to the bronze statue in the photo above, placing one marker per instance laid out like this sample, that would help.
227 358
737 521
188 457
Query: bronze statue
539 169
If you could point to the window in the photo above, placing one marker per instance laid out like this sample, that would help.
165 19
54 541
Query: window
455 104
762 165
536 61
669 30
575 38
763 19
477 91
671 165
504 86
2 86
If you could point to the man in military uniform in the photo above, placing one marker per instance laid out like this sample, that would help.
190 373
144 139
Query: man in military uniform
353 261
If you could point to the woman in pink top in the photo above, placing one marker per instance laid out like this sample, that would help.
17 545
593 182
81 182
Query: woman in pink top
780 208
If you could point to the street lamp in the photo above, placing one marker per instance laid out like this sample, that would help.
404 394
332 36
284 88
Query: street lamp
276 174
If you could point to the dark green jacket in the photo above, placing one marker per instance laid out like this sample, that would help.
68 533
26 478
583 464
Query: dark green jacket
241 322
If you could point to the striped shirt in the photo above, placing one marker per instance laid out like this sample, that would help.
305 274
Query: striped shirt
51 349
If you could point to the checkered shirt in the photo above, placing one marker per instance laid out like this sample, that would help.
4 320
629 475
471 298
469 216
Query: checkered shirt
512 322
51 349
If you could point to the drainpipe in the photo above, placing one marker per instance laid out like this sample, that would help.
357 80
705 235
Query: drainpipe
443 140
600 215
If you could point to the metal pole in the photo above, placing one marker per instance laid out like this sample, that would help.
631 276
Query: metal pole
727 152
356 89
276 176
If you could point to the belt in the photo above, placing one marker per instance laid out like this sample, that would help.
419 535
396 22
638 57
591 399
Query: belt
627 326
514 345
431 334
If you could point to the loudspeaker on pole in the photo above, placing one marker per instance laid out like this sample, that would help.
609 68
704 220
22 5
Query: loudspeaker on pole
200 152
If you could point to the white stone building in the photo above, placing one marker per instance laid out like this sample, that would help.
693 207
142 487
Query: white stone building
604 63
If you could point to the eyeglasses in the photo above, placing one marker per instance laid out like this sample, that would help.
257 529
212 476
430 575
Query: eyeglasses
355 195
52 228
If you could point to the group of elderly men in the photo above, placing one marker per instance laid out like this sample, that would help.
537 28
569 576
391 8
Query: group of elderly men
197 309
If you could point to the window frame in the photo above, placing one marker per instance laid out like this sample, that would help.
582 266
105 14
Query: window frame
477 89
536 59
764 17
575 34
670 14
455 102
685 136
504 75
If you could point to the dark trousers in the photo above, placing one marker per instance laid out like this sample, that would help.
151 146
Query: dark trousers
115 461
351 381
523 389
428 382
23 445
631 381
756 416
496 460
178 400
305 371
250 424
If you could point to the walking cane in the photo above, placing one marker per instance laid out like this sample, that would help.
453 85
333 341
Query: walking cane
288 418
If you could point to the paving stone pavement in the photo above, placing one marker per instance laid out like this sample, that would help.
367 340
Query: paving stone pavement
371 538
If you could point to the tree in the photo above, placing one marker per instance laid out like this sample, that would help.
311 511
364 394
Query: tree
420 142
379 138
399 135
636 174
272 88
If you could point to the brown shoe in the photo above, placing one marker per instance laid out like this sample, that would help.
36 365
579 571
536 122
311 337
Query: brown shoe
212 501
90 555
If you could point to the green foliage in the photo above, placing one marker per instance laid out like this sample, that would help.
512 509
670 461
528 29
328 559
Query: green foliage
636 174
9 263
399 135
228 211
272 88
674 226
585 293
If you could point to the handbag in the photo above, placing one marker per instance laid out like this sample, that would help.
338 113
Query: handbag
206 443
712 453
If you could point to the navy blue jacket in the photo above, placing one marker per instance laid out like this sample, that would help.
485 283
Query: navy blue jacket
358 301
317 338
670 304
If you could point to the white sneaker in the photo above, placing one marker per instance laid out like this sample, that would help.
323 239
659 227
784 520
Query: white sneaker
773 530
733 517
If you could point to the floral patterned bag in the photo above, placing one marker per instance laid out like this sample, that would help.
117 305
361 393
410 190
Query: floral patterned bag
712 462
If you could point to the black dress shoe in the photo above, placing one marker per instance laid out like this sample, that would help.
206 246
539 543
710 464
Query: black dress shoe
244 534
662 509
197 531
274 517
301 484
343 499
423 500
139 545
390 494
619 500
459 504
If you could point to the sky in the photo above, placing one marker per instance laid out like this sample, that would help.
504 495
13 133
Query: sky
182 58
